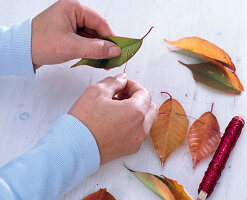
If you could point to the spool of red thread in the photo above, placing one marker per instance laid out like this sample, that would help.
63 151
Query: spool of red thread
220 158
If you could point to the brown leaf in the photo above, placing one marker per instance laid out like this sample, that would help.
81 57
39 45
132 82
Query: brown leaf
203 137
203 49
102 194
169 131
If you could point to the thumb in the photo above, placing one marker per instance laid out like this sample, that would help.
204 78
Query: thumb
113 85
95 48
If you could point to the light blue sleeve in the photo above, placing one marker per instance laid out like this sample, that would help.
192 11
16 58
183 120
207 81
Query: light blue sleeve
15 50
58 162
63 158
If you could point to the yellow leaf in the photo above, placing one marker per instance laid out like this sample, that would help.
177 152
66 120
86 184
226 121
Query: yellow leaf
166 188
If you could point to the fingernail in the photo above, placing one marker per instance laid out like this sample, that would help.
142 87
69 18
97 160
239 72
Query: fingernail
122 76
114 51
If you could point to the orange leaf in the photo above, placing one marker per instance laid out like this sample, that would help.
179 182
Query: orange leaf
204 49
203 137
169 131
102 194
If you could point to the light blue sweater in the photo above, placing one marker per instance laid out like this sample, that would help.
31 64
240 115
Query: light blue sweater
59 161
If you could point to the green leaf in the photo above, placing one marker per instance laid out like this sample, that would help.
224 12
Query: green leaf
128 46
164 187
216 76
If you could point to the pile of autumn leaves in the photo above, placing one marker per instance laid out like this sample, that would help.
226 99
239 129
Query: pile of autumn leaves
216 70
171 127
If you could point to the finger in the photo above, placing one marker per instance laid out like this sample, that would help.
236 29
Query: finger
150 117
121 96
132 87
92 20
113 85
91 32
84 32
138 93
93 48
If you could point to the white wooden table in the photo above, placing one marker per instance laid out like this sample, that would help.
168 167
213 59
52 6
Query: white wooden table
28 107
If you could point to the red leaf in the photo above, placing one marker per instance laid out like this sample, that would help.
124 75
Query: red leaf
203 137
102 194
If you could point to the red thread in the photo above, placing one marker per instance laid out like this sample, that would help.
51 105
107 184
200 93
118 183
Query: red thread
221 155
192 118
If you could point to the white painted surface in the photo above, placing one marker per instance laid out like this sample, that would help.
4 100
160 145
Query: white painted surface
55 88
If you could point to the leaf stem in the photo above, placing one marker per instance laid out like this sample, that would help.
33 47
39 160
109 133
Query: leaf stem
147 32
212 107
167 94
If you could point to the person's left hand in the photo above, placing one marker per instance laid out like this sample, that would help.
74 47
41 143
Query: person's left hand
57 34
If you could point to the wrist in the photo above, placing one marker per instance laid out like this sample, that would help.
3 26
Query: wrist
15 50
33 44
85 121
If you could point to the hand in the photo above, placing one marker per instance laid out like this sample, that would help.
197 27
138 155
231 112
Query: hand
56 39
119 123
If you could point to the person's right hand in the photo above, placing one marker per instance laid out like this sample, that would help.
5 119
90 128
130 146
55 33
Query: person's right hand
119 124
